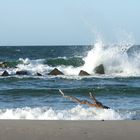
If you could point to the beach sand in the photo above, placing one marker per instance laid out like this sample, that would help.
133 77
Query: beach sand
69 130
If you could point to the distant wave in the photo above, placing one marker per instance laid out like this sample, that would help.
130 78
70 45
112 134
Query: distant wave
74 61
54 62
118 60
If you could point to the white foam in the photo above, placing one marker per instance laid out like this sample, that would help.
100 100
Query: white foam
76 113
115 59
33 66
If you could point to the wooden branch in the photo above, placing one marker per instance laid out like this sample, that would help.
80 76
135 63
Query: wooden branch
70 97
61 92
96 104
92 97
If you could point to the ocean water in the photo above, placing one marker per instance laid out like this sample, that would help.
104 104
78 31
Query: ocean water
37 97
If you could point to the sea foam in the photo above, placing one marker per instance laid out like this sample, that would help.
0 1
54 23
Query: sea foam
118 60
76 113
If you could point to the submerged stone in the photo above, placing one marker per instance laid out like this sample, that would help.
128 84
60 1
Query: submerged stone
3 65
83 73
99 69
5 73
23 72
38 74
55 72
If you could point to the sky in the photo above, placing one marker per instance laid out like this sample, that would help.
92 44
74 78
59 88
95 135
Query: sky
68 22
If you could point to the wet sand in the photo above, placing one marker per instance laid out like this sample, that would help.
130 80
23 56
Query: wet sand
69 130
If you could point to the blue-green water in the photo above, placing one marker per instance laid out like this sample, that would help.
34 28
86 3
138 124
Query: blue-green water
37 97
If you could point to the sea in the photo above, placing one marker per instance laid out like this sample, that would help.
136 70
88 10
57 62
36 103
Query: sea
33 97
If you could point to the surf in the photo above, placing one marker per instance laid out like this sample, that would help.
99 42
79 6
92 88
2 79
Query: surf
118 60
76 113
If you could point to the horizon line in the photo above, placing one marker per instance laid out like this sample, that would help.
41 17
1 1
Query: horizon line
54 45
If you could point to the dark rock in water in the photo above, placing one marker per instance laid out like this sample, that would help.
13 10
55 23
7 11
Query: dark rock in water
55 72
22 72
5 73
83 73
3 65
99 69
38 74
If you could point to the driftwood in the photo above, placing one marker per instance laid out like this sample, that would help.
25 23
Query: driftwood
70 97
95 104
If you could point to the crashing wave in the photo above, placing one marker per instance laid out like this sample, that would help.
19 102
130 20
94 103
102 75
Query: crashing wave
76 113
118 60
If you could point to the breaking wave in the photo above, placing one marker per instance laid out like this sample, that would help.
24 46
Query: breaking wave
118 60
76 113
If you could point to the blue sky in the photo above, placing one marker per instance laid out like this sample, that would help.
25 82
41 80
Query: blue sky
68 22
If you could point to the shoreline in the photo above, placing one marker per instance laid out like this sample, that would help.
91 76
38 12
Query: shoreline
61 130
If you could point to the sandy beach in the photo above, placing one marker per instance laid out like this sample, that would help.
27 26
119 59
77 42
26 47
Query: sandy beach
61 130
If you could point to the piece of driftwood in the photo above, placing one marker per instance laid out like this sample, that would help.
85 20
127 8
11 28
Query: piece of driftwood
95 104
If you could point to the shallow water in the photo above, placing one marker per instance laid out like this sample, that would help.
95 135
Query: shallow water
37 97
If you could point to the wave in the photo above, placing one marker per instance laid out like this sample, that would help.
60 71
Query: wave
118 60
73 61
76 113
54 62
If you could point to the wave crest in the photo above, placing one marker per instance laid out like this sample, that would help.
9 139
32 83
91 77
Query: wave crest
118 60
76 113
